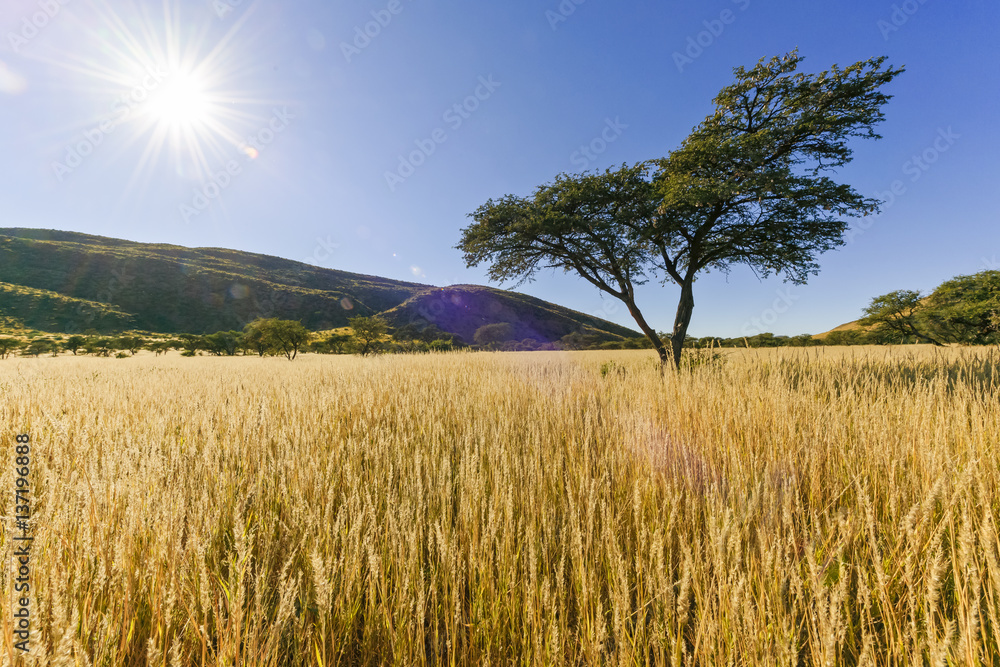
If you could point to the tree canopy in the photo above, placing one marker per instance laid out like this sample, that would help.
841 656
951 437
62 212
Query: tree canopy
749 186
286 337
898 312
367 333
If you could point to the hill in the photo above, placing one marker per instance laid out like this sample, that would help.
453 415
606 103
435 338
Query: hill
461 309
848 326
70 282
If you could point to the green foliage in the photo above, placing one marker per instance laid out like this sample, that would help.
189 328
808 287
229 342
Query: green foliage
64 281
338 343
748 186
74 343
224 343
255 340
38 347
8 346
274 336
100 347
492 335
966 309
53 311
580 341
900 313
130 344
160 347
367 334
191 344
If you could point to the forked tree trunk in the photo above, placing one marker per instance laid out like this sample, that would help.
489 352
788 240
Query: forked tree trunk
685 307
658 345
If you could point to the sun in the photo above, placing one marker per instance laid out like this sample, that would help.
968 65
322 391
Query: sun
181 103
185 89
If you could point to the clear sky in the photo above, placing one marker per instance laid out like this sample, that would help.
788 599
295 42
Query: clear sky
360 134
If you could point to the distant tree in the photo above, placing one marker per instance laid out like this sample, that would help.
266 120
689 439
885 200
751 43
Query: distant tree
406 332
287 336
579 341
9 345
272 335
492 335
337 343
441 345
899 312
367 333
159 347
635 343
191 344
845 337
224 343
74 343
38 347
102 346
966 309
255 338
130 344
803 340
747 186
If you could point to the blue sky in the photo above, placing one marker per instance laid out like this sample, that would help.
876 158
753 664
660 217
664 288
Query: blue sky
283 128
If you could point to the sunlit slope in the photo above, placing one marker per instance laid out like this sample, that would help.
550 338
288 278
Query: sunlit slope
70 282
174 289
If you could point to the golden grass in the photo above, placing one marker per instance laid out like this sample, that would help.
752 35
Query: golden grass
786 507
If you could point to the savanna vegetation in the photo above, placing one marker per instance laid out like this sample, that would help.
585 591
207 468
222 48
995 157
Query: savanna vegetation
770 507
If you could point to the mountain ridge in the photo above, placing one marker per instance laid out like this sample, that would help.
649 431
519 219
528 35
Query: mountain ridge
74 282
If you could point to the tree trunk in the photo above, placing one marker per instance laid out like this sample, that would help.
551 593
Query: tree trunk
685 307
658 345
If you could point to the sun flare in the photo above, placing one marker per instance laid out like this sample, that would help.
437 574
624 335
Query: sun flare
186 90
181 103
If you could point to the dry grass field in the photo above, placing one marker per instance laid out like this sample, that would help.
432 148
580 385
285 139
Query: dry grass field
784 507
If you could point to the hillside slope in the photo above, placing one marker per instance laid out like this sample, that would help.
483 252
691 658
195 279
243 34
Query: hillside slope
461 309
172 289
70 282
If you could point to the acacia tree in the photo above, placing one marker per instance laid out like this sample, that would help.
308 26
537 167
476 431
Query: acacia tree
367 333
899 312
271 334
74 343
9 345
966 309
288 336
748 186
